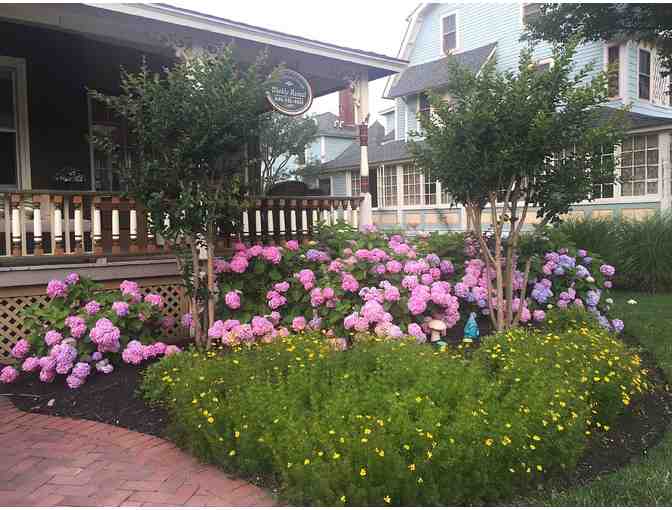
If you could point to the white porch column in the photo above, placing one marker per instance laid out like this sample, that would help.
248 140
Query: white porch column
361 101
666 172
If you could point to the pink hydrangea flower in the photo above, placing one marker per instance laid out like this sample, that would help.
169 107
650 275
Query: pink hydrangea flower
92 307
538 315
154 300
307 278
299 323
31 364
133 353
216 330
56 289
8 374
47 376
272 254
120 308
106 336
72 279
238 264
77 326
52 337
281 287
81 370
221 266
232 300
415 330
20 349
292 245
349 283
261 326
74 382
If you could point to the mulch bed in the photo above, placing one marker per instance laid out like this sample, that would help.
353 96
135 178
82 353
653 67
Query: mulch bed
108 398
114 399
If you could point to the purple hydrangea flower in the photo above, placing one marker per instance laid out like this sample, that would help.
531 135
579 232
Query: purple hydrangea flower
56 289
92 307
120 308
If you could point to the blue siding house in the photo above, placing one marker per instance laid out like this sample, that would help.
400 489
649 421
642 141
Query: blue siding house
476 33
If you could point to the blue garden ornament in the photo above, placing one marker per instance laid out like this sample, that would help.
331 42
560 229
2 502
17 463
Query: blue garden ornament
471 328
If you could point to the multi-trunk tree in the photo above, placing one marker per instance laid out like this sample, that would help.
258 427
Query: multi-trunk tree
505 144
191 126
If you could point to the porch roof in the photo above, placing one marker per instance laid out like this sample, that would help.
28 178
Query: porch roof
146 27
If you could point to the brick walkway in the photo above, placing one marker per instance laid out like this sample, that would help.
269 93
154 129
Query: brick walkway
53 461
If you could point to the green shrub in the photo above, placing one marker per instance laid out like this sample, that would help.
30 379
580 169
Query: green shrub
640 249
396 422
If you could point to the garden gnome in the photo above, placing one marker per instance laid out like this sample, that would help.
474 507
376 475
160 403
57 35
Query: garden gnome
471 332
436 327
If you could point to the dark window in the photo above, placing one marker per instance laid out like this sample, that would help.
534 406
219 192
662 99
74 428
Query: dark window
325 186
644 74
613 62
8 134
449 33
424 108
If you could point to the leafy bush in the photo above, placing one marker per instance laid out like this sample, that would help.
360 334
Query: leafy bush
394 422
84 329
640 248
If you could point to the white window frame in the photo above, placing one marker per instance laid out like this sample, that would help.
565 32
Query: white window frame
458 33
641 48
542 62
622 74
23 173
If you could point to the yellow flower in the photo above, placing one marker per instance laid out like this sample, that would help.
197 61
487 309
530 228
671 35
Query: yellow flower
421 481
362 472
418 399
342 440
536 437
343 499
539 467
506 440
429 454
365 440
411 467
211 420
306 462
381 453
489 442
319 454
236 434
232 453
332 432
205 413
336 456
407 447
387 499
367 431
195 401
289 464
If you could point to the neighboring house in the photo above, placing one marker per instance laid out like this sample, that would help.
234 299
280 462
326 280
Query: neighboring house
477 33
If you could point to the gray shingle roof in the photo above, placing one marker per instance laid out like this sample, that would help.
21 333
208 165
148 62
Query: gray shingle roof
638 120
325 126
434 74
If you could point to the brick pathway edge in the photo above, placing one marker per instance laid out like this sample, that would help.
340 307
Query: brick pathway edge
55 461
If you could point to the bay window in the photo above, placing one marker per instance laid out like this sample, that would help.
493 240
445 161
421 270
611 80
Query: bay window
412 185
639 166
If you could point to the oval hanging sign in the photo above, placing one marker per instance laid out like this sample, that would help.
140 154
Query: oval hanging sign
290 93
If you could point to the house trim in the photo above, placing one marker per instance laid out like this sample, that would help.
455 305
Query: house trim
23 172
213 24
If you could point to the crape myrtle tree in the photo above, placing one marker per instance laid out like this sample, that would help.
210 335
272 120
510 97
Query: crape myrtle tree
191 126
282 137
507 142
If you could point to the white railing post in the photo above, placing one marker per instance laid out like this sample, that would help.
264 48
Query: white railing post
57 226
79 224
132 227
246 224
281 219
37 226
116 236
304 219
16 225
97 229
292 219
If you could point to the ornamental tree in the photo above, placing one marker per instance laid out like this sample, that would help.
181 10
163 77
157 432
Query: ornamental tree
281 138
191 126
508 142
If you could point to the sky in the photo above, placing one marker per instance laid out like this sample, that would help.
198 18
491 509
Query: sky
365 25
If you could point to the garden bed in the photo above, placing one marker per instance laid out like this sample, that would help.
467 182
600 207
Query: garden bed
107 398
115 399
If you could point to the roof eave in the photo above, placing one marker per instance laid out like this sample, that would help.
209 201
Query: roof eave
191 19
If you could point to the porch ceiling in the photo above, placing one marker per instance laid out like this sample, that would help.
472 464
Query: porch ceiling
146 27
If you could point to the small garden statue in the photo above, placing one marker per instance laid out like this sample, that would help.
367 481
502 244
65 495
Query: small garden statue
471 332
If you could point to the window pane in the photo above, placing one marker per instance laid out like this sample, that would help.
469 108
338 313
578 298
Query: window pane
652 188
638 188
639 158
644 62
613 61
607 191
449 24
626 191
644 87
640 172
325 186
651 141
8 159
449 41
7 99
640 142
652 157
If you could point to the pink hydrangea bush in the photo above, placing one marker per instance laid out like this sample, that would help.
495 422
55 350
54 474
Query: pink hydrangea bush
85 330
350 282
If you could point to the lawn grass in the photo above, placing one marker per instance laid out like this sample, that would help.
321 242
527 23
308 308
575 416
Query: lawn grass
649 481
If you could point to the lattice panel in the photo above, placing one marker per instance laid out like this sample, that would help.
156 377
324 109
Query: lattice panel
11 324
12 330
174 304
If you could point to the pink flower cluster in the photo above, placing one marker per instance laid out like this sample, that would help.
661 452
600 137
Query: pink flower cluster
105 335
232 332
